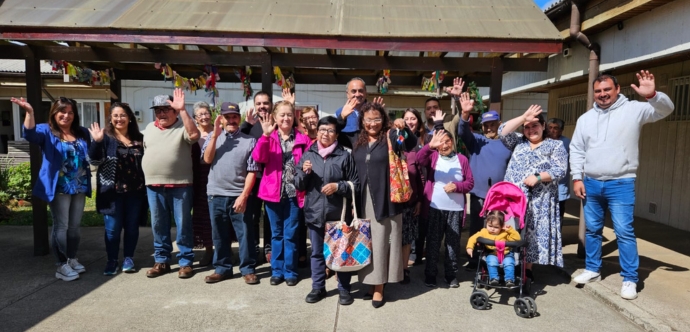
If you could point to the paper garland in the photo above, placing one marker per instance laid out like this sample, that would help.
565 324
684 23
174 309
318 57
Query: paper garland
244 76
431 84
384 81
83 75
206 81
282 81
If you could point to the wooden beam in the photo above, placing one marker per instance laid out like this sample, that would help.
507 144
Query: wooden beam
272 50
267 75
245 49
284 40
442 54
496 84
607 16
211 48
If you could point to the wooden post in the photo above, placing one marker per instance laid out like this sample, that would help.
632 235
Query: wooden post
39 207
496 85
116 89
267 75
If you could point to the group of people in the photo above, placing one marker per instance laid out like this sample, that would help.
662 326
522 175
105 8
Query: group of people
302 171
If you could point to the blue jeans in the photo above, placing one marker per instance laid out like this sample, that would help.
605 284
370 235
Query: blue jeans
223 216
127 209
619 197
508 266
165 203
67 211
318 262
284 223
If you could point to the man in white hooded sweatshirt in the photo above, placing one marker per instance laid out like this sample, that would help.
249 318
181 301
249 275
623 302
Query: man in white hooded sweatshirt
604 157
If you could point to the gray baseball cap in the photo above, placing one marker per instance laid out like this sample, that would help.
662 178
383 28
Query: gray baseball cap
161 101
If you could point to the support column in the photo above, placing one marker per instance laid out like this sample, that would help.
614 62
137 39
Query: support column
496 85
116 89
39 207
267 74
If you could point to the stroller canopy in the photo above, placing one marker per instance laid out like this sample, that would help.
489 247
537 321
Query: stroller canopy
507 197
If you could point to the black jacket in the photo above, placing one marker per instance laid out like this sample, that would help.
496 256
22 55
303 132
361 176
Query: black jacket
376 173
337 167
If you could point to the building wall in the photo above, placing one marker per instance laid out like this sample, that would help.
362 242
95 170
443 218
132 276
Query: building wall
516 105
663 177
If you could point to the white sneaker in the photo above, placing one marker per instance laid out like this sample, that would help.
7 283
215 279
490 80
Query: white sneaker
629 290
66 273
587 277
74 264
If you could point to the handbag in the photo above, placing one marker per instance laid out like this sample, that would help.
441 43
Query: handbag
347 248
401 191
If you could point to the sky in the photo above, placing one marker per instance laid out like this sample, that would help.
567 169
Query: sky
543 4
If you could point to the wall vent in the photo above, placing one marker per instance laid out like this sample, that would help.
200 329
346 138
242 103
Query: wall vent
652 208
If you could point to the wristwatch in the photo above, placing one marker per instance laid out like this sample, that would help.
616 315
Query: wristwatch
538 176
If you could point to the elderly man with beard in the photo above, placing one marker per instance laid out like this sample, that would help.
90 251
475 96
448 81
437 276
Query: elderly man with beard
230 182
169 181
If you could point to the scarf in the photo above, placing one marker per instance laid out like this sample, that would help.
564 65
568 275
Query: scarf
325 152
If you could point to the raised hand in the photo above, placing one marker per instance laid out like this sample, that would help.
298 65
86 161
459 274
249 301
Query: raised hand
532 113
456 89
379 100
268 125
96 132
436 140
466 103
178 100
437 116
23 104
288 96
217 126
251 116
647 87
348 108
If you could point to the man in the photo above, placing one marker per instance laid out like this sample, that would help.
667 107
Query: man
433 119
488 159
604 156
310 121
230 183
168 172
356 97
554 130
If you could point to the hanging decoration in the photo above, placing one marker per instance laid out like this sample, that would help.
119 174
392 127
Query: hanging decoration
83 75
206 81
384 81
431 84
284 81
244 76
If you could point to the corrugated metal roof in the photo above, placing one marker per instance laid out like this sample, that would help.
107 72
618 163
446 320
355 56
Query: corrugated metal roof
19 66
500 19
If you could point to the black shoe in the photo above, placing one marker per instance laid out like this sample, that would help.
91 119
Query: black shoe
367 296
291 282
345 298
316 295
430 281
471 266
493 282
453 283
510 283
276 280
529 275
378 304
406 277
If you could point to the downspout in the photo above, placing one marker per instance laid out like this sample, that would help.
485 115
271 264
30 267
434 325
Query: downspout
577 8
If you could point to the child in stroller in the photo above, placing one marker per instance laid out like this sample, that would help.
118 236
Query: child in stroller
496 230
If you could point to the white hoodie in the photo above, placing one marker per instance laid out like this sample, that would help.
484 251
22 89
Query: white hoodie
605 144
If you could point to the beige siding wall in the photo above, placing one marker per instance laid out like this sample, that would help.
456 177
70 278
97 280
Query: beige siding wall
664 173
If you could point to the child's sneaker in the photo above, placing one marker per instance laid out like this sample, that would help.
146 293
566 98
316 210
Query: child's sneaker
128 265
493 282
65 272
510 283
74 264
110 268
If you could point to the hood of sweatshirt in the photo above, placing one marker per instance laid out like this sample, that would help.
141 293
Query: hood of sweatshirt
603 114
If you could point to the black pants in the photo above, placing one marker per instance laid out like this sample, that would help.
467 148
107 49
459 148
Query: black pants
476 222
443 225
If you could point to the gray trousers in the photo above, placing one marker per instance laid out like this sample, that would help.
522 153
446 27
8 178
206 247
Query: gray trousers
67 211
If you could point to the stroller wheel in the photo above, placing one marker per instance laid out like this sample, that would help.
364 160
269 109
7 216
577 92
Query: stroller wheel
480 300
522 308
532 304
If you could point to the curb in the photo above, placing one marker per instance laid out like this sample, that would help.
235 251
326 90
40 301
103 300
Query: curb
627 308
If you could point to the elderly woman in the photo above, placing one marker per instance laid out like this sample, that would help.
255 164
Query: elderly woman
536 165
323 173
117 150
201 220
64 180
280 149
373 200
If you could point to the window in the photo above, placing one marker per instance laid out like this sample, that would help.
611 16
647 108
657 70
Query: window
680 95
570 108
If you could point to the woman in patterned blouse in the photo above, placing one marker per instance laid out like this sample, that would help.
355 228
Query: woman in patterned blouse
117 151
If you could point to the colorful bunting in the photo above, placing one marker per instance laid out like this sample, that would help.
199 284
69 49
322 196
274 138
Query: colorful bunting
207 80
384 81
83 75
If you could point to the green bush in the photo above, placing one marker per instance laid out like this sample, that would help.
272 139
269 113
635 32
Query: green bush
19 181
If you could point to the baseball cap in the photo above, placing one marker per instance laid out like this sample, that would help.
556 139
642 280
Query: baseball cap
490 116
229 108
161 101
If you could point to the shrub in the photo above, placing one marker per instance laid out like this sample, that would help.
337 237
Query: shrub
19 181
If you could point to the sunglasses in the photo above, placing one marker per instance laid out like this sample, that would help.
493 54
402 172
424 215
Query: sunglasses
67 100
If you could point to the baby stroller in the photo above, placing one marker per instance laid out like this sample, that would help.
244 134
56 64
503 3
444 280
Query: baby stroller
507 197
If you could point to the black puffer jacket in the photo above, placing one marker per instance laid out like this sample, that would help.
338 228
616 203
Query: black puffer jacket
338 167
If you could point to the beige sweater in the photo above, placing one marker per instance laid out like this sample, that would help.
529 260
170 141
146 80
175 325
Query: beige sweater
167 155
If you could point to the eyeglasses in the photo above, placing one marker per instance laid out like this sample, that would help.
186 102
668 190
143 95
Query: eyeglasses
203 115
372 121
162 110
67 100
120 116
307 118
326 131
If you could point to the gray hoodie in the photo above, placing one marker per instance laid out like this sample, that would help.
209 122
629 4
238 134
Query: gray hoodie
605 144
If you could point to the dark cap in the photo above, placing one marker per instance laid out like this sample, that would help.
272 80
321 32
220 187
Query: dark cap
490 116
229 108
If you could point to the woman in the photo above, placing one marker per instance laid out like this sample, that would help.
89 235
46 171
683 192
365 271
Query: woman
201 220
309 118
371 158
117 151
64 179
449 178
411 213
536 165
280 151
323 173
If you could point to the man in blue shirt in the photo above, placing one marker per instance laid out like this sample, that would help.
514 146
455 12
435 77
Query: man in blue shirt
356 97
554 130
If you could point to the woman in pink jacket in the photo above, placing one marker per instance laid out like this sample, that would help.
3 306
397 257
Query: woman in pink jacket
279 151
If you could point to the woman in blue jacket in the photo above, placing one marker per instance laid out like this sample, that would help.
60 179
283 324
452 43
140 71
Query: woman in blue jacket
64 180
